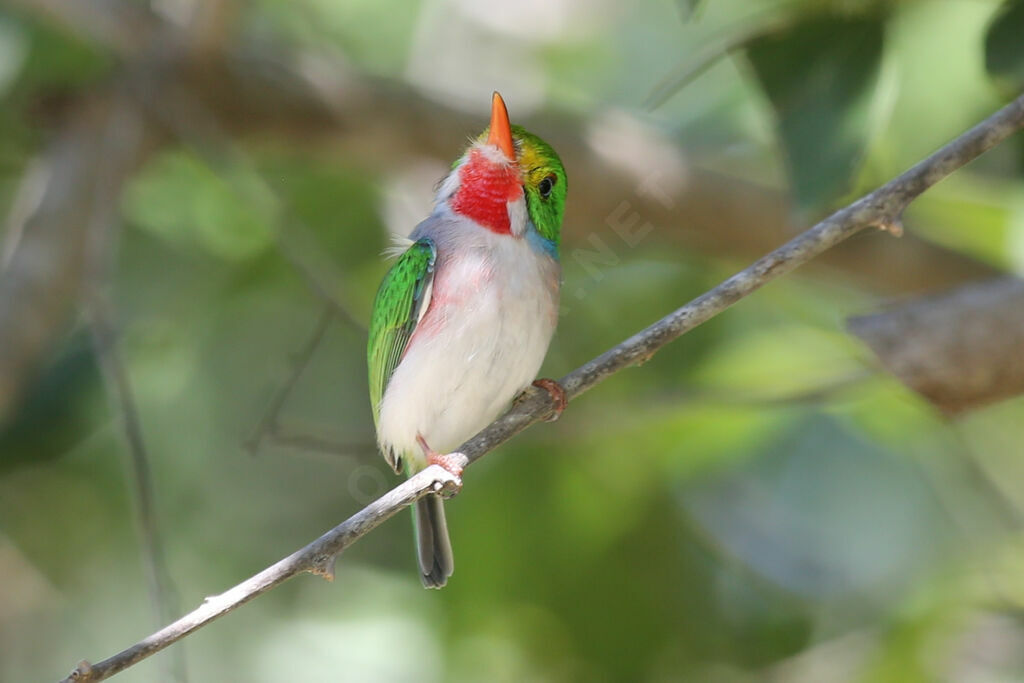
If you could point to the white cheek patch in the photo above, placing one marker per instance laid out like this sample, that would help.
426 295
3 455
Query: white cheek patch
517 217
493 154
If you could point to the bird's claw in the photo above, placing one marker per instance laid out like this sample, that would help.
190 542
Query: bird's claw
452 463
557 394
447 483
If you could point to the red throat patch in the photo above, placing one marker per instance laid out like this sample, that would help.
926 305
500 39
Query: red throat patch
486 189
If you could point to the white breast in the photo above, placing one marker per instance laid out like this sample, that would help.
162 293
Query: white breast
482 340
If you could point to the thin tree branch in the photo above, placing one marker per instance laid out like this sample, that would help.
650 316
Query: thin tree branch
122 399
881 208
99 267
270 428
268 424
316 558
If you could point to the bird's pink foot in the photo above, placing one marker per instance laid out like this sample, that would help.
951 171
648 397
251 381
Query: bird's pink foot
452 462
557 394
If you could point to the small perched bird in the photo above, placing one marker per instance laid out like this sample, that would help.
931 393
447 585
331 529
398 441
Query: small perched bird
463 319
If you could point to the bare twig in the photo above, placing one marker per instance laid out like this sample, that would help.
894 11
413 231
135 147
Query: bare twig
122 399
316 558
122 133
303 440
270 426
883 206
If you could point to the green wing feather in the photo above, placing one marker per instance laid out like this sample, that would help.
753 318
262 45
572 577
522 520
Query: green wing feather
400 300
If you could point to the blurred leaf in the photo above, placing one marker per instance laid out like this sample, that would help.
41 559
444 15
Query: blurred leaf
160 356
766 622
698 63
798 514
820 77
1004 46
377 34
55 414
782 362
338 204
689 8
54 60
972 214
182 200
14 46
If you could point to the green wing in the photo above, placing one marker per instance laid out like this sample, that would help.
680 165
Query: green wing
402 297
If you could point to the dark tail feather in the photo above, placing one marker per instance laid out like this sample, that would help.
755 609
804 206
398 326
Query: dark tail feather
435 549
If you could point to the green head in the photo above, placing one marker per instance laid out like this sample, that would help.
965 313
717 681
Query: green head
505 171
544 183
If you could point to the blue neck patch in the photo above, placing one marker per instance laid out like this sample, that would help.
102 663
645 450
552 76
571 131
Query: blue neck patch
539 242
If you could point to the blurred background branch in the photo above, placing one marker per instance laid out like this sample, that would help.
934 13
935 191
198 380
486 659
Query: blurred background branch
161 587
73 193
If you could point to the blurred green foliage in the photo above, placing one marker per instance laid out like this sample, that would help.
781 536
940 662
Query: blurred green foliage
758 502
820 76
1003 57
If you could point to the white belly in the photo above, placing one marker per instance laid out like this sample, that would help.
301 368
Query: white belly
492 312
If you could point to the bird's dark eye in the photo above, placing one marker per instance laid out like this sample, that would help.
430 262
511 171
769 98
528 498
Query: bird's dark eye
545 185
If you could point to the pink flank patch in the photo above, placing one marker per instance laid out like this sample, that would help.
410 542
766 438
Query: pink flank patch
486 189
447 295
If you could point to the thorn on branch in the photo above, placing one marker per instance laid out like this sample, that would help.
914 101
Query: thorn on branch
645 357
893 226
324 567
82 672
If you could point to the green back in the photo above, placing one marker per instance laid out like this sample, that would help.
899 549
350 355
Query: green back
396 310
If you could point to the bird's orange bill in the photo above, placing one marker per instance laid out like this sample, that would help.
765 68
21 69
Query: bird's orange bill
501 129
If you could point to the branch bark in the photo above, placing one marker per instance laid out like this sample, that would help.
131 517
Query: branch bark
316 558
881 209
68 201
125 28
122 402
